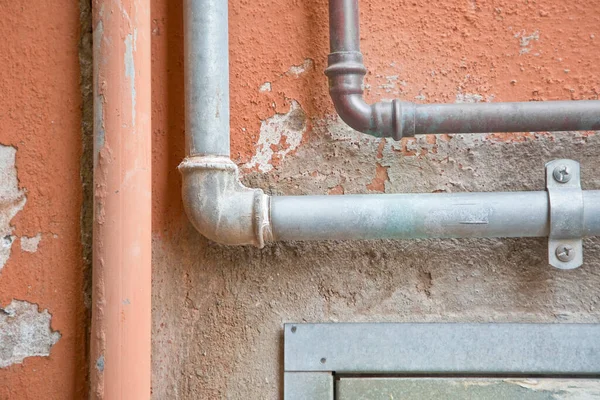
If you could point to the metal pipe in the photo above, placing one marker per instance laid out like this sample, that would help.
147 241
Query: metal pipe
419 216
224 210
399 119
217 204
121 295
507 117
344 35
206 72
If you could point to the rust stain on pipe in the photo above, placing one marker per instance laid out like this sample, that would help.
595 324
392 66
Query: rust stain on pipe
121 315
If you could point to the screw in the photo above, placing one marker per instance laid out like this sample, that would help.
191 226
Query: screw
562 174
565 253
323 360
294 329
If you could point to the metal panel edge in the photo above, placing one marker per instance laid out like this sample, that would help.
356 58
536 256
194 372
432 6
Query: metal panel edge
308 386
441 348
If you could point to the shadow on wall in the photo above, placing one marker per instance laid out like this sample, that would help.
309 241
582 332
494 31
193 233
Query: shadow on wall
168 113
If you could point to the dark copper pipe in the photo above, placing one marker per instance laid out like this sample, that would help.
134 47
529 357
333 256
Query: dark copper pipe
398 119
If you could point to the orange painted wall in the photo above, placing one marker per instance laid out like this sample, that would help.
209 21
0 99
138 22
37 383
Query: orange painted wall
40 116
504 50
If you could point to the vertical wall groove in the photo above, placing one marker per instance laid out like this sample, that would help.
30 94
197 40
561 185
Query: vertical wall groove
86 172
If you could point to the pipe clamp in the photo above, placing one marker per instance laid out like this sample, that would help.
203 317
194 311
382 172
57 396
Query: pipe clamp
565 197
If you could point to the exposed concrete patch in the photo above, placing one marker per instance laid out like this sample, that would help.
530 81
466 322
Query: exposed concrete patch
525 40
468 98
279 135
24 332
265 87
30 244
473 98
306 66
12 200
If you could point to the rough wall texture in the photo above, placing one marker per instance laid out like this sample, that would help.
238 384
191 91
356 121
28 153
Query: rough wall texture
218 311
42 314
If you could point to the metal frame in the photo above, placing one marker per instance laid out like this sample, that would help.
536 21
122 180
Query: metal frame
318 352
308 386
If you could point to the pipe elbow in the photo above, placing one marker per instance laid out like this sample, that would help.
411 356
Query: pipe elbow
220 207
354 111
394 118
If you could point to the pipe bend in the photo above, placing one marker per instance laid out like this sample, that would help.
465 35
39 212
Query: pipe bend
354 111
394 118
220 207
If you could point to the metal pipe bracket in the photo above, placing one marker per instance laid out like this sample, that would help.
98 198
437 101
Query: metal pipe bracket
565 241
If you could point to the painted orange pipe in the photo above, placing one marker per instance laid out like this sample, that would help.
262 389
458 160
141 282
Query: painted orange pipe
121 314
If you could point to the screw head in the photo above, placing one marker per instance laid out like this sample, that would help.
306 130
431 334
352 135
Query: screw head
562 174
565 252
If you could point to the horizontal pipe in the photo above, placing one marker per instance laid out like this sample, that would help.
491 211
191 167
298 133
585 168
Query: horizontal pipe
417 216
399 119
206 77
508 117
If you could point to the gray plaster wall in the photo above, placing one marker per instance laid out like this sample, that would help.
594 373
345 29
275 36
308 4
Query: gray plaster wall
218 311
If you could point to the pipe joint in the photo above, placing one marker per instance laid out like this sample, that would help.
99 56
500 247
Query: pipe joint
220 207
346 72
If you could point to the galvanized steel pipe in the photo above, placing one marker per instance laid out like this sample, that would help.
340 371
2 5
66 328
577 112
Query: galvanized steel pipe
419 216
206 46
225 211
399 119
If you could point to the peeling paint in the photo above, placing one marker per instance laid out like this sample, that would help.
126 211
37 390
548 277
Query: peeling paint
265 87
12 200
473 98
390 84
100 364
525 40
25 332
306 66
130 47
468 98
98 88
30 244
279 135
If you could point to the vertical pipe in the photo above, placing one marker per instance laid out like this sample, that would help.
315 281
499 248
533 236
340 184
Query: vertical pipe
344 32
206 77
121 313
